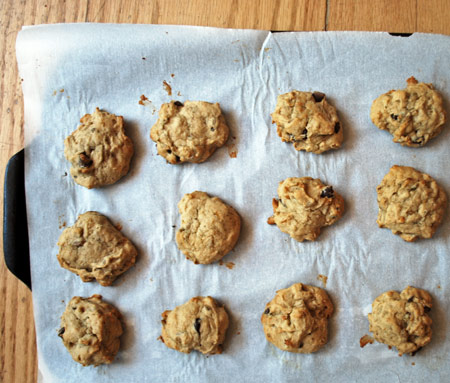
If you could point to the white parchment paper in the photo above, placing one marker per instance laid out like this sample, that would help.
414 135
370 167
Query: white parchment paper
68 70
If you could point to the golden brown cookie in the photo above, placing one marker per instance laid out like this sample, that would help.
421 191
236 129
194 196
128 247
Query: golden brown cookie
94 249
413 115
296 320
209 228
90 330
401 320
99 150
200 324
411 203
304 206
308 121
189 132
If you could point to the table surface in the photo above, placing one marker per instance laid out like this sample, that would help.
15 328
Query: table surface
18 357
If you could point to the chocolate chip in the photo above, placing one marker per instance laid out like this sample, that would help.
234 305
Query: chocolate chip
169 151
177 158
267 311
61 331
197 324
337 127
394 116
415 352
178 103
212 129
318 96
305 134
427 309
410 299
84 160
300 345
328 192
418 141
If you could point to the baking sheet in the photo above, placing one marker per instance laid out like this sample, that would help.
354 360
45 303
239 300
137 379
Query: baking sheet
68 70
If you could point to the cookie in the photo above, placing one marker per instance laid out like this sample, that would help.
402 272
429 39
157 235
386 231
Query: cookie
413 115
411 203
209 227
401 320
200 324
189 132
308 121
99 150
304 206
94 249
296 320
91 330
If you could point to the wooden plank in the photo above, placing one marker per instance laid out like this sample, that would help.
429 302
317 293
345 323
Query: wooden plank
258 14
433 16
368 15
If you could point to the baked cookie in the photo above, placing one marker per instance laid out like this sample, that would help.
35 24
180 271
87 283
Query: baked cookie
401 320
209 228
94 249
189 132
98 150
411 203
413 115
199 324
90 330
296 320
304 206
308 121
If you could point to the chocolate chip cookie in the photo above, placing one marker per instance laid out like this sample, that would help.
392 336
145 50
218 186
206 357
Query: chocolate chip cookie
91 330
401 320
296 320
189 132
99 150
200 324
209 227
411 203
308 121
94 249
304 206
413 115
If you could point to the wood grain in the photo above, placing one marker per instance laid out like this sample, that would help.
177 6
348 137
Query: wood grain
18 357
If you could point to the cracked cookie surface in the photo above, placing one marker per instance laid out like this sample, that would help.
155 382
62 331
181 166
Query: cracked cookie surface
308 121
304 206
413 115
209 227
94 249
296 320
411 203
401 320
189 132
200 324
99 150
90 330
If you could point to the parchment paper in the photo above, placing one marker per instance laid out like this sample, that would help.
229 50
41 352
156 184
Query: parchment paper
68 70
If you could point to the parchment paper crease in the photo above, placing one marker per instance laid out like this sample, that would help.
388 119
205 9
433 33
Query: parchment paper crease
68 70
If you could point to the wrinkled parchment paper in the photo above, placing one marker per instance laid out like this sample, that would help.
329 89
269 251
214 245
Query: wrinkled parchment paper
68 70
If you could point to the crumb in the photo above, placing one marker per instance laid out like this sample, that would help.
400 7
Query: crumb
438 286
229 265
172 75
238 333
143 100
220 262
323 279
144 58
61 90
267 49
167 88
54 92
118 226
174 226
413 364
178 93
366 339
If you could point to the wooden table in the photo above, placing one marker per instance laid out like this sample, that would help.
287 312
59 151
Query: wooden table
18 359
